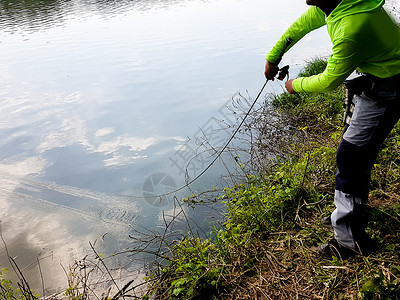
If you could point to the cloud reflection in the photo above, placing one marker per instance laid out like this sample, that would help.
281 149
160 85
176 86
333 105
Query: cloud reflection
104 131
30 165
57 121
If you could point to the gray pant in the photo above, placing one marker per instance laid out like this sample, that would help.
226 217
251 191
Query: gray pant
371 123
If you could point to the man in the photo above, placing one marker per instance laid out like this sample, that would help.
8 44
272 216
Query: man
365 38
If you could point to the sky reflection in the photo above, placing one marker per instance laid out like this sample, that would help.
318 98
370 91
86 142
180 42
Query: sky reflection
99 96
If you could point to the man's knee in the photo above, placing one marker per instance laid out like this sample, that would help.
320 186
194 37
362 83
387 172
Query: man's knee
354 168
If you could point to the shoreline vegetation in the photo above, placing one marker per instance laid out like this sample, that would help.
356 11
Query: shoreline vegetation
266 246
266 249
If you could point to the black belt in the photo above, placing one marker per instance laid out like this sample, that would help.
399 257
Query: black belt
379 80
380 89
383 88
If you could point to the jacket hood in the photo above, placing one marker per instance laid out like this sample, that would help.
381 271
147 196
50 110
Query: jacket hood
351 7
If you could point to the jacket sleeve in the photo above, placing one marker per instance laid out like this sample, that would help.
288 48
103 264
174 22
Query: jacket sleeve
312 19
346 55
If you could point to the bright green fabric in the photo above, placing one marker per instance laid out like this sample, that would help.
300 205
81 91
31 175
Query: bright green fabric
364 37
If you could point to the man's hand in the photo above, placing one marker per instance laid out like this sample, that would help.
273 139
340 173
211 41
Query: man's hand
289 86
270 70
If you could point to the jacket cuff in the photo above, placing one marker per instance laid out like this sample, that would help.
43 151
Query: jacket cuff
270 58
297 85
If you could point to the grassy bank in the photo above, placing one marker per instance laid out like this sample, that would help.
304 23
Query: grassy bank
266 249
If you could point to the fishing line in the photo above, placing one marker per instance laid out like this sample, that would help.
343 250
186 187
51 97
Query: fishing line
219 152
283 72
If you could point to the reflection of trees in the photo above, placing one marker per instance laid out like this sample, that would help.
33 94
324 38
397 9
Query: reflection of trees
30 14
35 15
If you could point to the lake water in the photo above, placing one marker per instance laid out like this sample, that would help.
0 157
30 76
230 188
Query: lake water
107 104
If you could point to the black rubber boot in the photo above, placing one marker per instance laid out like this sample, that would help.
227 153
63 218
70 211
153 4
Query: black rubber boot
333 248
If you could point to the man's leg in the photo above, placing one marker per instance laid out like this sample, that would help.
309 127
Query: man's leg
351 195
371 123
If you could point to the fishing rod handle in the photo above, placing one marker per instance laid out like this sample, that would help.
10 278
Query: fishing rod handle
283 72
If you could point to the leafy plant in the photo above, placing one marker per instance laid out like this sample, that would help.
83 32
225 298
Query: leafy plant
7 291
382 286
194 270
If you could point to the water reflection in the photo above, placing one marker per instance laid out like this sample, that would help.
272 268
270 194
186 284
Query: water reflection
104 101
34 15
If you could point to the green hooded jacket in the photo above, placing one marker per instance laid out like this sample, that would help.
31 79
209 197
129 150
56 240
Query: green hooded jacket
364 37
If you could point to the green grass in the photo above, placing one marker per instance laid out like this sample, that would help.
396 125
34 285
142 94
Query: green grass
266 247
